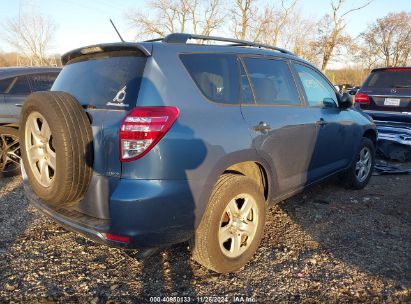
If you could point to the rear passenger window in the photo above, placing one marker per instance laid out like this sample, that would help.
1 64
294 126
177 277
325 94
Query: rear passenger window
4 84
42 82
272 81
216 75
21 86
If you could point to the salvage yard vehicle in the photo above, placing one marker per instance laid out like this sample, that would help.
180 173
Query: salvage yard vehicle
144 145
16 84
386 97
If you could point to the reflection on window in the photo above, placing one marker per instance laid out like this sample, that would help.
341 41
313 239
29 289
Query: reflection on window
21 86
316 87
272 81
42 82
216 75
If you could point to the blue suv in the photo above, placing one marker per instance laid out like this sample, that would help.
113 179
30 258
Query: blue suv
144 145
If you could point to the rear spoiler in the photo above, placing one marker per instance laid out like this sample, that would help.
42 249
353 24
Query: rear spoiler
144 48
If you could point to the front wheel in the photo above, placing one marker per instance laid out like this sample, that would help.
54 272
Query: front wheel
359 174
9 152
232 226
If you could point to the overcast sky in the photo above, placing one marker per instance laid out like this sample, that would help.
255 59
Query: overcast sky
82 22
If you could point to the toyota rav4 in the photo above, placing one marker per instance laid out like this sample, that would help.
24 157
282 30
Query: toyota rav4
144 145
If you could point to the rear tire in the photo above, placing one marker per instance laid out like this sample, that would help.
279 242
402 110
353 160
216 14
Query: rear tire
360 172
56 146
9 152
228 236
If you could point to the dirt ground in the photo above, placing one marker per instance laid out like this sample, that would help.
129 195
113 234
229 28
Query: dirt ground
327 244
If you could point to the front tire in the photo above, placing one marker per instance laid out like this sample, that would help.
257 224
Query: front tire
232 226
360 172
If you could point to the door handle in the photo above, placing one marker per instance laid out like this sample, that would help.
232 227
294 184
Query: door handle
19 105
262 127
321 122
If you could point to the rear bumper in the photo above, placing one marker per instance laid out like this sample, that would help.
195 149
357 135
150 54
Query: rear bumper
151 213
390 118
392 126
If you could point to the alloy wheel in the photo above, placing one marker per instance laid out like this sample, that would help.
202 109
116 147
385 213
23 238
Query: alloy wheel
238 225
9 153
39 147
363 165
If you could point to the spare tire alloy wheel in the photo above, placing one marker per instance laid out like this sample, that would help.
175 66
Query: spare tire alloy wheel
9 152
238 225
39 148
56 147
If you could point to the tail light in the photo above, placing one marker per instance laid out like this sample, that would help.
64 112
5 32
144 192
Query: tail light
142 129
362 98
118 238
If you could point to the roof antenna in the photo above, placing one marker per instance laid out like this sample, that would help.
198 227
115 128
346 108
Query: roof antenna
121 38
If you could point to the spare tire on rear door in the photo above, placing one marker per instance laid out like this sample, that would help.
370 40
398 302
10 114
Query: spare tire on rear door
56 146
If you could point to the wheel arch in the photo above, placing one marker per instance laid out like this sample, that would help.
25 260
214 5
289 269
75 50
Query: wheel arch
246 162
372 135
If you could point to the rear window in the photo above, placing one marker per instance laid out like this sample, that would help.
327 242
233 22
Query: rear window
216 75
390 78
20 86
106 80
4 84
42 82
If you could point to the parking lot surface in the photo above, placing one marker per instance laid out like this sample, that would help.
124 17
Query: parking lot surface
326 244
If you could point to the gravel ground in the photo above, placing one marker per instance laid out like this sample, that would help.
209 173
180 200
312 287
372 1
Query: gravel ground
327 244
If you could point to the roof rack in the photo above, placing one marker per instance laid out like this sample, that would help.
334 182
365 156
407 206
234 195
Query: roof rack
183 38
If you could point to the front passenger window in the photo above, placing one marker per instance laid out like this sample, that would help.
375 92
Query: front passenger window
318 91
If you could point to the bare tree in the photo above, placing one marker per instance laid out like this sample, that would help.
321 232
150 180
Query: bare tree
271 24
299 37
31 35
331 30
169 16
389 38
256 21
242 14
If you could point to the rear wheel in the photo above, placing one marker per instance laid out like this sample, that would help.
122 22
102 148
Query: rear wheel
9 152
232 226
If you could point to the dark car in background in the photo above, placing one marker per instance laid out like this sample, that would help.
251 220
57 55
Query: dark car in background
386 97
16 83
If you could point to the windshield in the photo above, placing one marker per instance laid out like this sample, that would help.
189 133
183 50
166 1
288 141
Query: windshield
389 78
105 80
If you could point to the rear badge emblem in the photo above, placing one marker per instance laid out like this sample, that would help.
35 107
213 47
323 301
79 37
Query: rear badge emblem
118 100
393 91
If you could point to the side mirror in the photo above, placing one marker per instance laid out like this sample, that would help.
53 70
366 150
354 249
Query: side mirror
345 101
329 103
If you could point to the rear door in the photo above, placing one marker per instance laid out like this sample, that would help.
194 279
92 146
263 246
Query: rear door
333 143
282 129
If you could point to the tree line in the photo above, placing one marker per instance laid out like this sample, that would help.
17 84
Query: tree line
386 42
